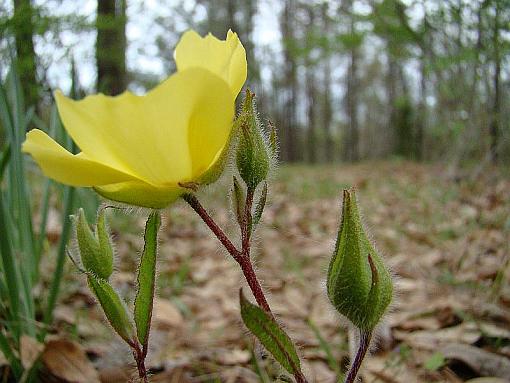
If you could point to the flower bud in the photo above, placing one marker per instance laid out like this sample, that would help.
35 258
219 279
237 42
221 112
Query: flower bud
359 284
253 152
96 252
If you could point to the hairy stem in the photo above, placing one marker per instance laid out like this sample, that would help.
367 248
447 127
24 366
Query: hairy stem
139 356
364 343
246 223
242 257
195 204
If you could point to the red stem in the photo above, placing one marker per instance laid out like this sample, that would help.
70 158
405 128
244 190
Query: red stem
242 257
139 356
364 342
195 204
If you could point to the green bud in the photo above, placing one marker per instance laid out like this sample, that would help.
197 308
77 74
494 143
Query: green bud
253 152
359 284
96 253
114 308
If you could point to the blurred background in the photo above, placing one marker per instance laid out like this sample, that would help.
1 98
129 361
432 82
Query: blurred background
407 101
341 80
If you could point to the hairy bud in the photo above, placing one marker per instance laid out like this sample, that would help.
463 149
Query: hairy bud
359 284
96 251
253 155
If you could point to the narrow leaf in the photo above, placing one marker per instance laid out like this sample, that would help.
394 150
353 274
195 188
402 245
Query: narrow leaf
113 307
147 279
238 200
259 208
105 245
270 334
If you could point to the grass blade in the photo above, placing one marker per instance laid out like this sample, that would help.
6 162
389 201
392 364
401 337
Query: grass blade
61 256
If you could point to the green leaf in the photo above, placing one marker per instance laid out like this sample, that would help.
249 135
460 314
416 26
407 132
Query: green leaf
435 362
270 334
238 200
105 245
113 307
146 279
261 204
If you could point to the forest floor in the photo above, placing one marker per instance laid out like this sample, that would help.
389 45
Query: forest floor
446 238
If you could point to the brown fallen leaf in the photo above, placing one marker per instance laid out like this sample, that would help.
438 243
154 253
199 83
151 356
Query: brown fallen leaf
30 350
166 315
67 360
483 362
431 340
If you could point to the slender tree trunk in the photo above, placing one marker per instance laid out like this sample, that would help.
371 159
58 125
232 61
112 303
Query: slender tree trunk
311 144
253 65
111 46
25 53
289 142
496 107
327 110
231 16
352 151
421 123
391 96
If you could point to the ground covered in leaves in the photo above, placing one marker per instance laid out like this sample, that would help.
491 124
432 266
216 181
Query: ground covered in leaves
444 233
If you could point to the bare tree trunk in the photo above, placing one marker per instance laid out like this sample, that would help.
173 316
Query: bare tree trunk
231 16
391 95
111 46
352 150
289 142
421 123
496 107
327 110
253 67
311 144
25 53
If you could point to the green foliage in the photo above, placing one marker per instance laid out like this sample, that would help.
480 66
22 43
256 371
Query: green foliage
270 334
22 245
435 362
146 280
359 284
113 307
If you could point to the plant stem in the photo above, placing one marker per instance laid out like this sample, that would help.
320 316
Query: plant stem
253 282
242 257
364 342
139 356
195 204
246 223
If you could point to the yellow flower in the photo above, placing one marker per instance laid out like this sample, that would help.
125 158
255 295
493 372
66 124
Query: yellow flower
140 150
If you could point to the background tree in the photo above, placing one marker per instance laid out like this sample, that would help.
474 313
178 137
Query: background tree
23 25
111 46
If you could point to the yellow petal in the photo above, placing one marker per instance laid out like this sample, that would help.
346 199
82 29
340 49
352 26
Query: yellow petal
225 58
151 136
59 164
141 194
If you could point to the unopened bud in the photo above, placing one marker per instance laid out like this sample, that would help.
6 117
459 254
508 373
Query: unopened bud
359 284
96 252
253 152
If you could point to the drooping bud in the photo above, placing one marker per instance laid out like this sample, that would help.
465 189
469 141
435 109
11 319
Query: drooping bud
96 253
359 284
253 153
